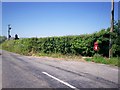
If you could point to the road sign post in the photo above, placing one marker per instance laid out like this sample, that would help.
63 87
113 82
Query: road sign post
9 28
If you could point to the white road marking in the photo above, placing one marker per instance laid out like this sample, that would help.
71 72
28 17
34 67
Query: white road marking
67 84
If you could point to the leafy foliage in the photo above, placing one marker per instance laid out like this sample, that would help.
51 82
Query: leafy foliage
97 58
76 45
116 40
2 39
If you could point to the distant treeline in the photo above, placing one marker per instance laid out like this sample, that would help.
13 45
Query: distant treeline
78 45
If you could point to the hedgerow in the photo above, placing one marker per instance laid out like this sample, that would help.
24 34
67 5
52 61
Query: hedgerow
77 45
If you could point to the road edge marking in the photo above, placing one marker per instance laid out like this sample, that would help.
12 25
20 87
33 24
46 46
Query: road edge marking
65 83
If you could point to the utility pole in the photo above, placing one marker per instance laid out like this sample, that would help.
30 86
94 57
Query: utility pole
9 28
111 30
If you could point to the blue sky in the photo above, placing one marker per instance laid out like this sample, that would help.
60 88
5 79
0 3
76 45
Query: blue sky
42 19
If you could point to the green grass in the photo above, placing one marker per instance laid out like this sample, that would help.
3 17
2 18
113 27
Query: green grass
115 61
88 59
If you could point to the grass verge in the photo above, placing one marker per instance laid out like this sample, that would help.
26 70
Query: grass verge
115 61
58 55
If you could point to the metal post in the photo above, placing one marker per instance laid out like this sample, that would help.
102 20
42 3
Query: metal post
111 30
9 28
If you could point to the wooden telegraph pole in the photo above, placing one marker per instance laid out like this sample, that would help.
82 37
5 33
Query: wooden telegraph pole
111 30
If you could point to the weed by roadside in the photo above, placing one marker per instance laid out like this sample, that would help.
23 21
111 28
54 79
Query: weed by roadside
99 59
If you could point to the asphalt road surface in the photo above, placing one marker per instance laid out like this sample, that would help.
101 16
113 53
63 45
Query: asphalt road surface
42 72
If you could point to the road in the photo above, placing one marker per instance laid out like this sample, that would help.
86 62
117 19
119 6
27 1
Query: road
42 72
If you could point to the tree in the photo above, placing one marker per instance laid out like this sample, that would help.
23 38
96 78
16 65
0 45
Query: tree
2 38
16 37
116 40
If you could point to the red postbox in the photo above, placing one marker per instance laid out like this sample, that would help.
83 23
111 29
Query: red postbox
96 48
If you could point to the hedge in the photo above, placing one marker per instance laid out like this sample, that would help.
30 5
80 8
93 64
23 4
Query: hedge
78 45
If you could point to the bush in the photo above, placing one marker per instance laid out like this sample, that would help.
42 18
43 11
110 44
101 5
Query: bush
76 45
2 39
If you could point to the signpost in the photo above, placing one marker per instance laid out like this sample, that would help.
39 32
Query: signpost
9 28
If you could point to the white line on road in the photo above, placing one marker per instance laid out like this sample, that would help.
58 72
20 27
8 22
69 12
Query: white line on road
59 80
